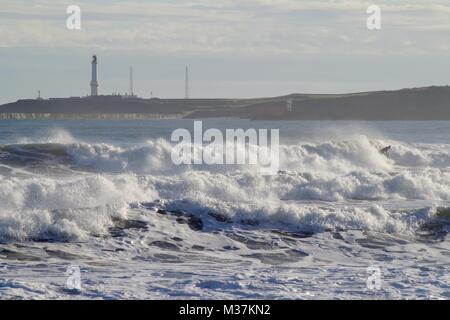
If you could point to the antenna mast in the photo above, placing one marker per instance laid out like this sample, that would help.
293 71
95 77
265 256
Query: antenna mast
186 88
131 82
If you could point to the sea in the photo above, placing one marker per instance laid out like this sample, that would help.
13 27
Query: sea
97 209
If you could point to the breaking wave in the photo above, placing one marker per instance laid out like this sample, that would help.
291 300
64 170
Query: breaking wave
86 187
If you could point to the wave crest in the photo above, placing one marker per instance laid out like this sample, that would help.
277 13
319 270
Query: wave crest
110 178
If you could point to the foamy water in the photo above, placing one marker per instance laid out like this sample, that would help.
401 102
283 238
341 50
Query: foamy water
106 196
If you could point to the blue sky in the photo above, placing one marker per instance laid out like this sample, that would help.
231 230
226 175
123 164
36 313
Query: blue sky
235 48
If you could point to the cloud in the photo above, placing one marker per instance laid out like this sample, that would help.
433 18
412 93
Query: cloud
231 27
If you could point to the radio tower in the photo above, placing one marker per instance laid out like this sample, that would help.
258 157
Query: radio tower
186 84
131 82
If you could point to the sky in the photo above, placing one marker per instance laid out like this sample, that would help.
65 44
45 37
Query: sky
234 48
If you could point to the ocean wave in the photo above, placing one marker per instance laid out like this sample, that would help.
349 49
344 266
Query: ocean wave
74 208
313 191
65 209
328 171
345 155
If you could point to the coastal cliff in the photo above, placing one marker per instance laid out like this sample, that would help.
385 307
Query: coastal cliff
430 103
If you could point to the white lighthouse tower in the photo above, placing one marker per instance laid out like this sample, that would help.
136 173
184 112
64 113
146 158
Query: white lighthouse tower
94 83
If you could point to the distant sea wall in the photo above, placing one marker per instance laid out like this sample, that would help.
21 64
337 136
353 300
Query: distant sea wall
93 116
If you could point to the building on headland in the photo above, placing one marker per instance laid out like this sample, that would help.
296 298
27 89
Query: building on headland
289 107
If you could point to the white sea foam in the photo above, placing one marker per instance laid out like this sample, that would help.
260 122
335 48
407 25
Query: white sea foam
334 172
50 135
65 209
96 204
154 156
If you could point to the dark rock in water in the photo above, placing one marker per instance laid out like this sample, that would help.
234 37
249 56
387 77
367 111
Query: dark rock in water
439 236
120 225
181 220
250 222
230 248
116 232
443 212
296 253
195 223
148 205
198 248
161 211
250 243
177 213
73 291
113 250
433 231
337 235
130 224
177 239
296 234
48 239
219 217
165 245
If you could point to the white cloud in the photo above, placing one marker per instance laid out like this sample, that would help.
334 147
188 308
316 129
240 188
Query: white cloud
236 27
